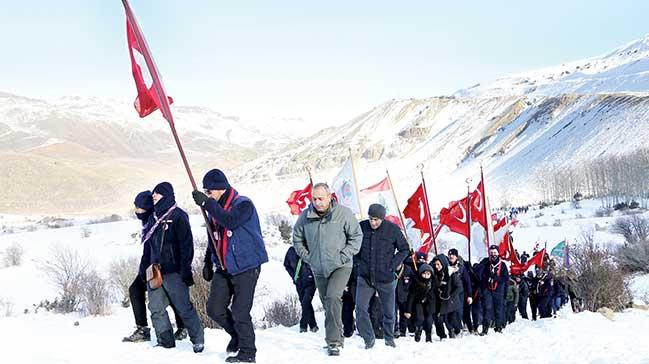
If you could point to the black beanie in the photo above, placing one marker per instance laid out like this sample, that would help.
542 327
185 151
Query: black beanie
377 211
165 189
144 200
453 251
215 180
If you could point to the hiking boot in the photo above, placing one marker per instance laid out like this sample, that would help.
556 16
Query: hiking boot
451 334
180 334
233 346
241 358
198 348
142 333
333 350
391 343
303 329
485 330
499 330
166 340
314 329
418 335
369 343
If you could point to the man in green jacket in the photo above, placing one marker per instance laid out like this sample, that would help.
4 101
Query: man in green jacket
327 236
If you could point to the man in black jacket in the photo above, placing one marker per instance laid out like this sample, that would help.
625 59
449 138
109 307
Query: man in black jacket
302 278
377 265
524 293
170 245
455 260
494 277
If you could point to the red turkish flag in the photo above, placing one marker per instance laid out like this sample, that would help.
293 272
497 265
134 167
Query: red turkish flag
455 217
478 207
537 260
417 210
299 199
147 100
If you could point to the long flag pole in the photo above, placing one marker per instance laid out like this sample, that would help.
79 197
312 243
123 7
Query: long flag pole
427 207
164 106
468 219
358 194
487 209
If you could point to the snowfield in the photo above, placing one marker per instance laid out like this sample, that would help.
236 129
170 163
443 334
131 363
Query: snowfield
50 338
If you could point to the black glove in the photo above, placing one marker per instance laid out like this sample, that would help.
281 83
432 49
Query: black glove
189 280
199 197
208 271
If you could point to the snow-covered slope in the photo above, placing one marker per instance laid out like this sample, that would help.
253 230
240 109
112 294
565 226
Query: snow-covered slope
53 338
625 69
515 132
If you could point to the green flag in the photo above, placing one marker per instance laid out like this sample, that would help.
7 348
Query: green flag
559 250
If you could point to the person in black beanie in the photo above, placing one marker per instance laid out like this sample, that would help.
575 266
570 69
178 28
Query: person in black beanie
170 245
137 289
383 249
237 250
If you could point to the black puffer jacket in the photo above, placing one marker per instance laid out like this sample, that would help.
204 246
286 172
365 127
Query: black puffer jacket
382 250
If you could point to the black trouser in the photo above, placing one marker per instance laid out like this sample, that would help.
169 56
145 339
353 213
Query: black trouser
348 313
476 311
137 295
511 311
423 318
376 317
239 291
306 297
466 315
534 306
545 306
522 306
452 321
403 322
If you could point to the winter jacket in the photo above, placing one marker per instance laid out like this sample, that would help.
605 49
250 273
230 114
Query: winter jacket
327 242
422 291
237 226
450 294
512 292
382 250
171 245
304 277
406 278
465 276
494 277
544 288
523 289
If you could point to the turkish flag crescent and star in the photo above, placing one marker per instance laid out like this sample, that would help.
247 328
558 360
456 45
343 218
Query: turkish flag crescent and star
478 206
455 217
381 193
299 199
417 211
147 100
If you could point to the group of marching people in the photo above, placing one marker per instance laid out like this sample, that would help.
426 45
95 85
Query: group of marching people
367 278
391 290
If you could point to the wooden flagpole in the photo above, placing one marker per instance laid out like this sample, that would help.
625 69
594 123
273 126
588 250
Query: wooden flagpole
427 207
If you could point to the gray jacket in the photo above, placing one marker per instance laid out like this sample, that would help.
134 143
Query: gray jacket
328 242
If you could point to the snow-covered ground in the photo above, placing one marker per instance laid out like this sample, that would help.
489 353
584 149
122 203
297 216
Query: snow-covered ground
45 337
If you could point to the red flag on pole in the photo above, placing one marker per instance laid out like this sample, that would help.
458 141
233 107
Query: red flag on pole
478 206
417 210
381 193
299 199
149 86
455 217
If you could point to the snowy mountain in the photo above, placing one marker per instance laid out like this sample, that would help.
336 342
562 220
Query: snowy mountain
92 147
516 128
622 70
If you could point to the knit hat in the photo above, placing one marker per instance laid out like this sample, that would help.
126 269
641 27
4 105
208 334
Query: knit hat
144 200
424 267
494 247
165 189
215 180
453 251
376 211
421 256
